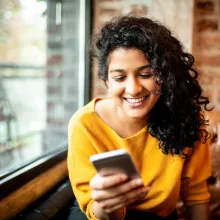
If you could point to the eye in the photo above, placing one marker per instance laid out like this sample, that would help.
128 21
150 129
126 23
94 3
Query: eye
119 78
145 75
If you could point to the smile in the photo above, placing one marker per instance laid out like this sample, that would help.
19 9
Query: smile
135 100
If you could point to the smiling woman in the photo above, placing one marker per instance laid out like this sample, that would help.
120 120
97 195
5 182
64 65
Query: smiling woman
155 113
132 85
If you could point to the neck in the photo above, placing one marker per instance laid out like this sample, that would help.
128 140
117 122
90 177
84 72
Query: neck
132 124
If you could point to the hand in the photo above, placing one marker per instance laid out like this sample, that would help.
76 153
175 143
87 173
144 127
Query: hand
115 192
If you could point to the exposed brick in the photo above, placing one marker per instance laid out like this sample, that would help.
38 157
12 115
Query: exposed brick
210 41
206 24
54 74
206 47
208 60
205 7
210 78
109 11
55 60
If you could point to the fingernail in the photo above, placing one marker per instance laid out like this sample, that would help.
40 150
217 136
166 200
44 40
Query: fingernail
123 177
139 182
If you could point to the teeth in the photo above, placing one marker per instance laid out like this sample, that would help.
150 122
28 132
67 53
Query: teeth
136 100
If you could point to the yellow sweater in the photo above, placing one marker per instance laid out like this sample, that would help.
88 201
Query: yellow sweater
168 176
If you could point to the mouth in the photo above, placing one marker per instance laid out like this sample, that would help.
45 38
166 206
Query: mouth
136 101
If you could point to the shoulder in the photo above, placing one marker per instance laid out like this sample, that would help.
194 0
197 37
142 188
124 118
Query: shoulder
82 115
88 115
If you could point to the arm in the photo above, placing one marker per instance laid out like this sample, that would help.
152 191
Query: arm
98 197
199 211
194 191
80 148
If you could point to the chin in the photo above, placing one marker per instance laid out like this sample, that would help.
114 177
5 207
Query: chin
137 116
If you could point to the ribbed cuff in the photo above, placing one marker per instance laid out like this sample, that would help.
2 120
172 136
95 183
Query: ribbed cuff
194 202
123 214
91 214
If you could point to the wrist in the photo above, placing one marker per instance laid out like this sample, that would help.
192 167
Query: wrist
119 215
99 213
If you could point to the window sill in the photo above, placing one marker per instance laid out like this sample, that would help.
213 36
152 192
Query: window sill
12 181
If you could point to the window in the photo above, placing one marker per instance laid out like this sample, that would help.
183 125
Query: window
42 52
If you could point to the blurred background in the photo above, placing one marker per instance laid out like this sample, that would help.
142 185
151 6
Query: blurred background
46 72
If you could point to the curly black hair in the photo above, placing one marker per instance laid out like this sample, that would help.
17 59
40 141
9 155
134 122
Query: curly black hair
176 120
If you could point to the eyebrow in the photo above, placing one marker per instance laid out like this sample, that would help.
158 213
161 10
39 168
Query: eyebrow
138 69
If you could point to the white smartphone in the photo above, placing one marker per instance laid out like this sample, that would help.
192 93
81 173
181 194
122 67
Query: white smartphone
116 161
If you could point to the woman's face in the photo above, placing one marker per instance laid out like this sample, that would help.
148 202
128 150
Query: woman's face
131 82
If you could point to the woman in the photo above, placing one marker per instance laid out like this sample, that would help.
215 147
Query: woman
155 112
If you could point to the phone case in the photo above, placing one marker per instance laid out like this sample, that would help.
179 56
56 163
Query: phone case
112 162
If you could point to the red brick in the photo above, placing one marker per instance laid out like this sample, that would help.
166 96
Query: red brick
212 60
205 24
210 78
204 7
109 11
206 44
54 74
55 60
208 41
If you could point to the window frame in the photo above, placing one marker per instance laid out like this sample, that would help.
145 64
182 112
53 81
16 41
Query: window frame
17 178
14 179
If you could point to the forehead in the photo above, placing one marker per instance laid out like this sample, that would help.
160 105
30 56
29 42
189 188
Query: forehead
124 57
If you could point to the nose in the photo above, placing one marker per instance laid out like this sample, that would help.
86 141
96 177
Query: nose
133 86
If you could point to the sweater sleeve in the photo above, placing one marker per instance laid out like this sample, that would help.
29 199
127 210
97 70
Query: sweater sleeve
196 170
80 169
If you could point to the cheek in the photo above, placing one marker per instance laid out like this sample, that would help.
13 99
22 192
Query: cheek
156 98
153 86
116 89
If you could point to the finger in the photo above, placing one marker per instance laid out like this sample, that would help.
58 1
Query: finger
121 189
104 182
119 202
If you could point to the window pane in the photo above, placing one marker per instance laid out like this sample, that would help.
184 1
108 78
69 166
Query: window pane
39 89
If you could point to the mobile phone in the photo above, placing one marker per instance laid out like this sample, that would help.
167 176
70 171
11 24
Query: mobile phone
116 161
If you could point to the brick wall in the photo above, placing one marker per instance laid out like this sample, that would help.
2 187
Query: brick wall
206 46
177 15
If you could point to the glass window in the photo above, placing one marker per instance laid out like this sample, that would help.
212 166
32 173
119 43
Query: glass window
41 53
